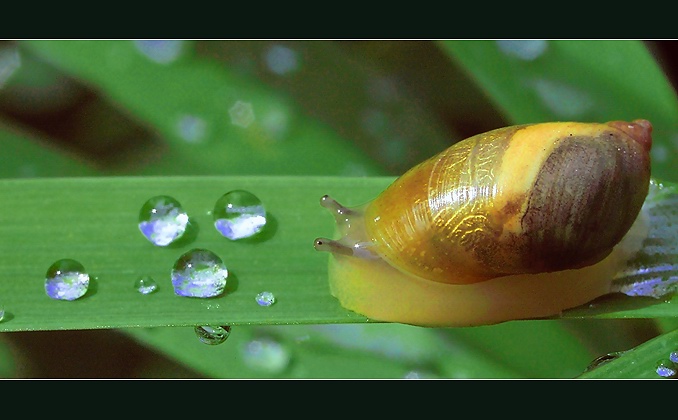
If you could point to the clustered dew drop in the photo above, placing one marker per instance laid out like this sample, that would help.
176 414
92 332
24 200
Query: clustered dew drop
199 273
265 299
145 285
239 214
212 335
162 220
66 279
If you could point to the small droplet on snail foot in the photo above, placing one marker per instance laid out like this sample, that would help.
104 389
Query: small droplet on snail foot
212 335
666 368
145 285
66 279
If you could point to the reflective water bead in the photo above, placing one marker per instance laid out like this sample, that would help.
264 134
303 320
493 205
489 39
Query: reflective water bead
666 368
265 299
239 214
212 335
66 279
673 356
145 285
162 220
199 273
2 312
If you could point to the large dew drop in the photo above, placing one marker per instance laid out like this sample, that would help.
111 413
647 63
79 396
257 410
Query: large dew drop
239 214
199 273
162 220
212 335
66 279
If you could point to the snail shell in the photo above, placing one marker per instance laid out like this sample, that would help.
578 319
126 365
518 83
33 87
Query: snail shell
519 222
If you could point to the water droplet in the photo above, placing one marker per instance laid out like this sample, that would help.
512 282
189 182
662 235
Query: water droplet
2 312
191 128
160 51
162 220
66 279
239 214
523 49
666 368
281 60
199 273
265 299
242 114
145 285
212 335
266 355
10 61
673 356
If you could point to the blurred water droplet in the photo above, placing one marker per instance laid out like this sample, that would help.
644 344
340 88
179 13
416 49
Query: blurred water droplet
10 61
162 220
659 153
199 273
265 299
2 311
666 368
673 356
420 374
145 285
160 51
212 335
266 355
191 128
281 60
242 114
66 279
523 49
564 100
239 214
276 122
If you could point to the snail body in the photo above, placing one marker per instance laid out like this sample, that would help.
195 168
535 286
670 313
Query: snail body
519 222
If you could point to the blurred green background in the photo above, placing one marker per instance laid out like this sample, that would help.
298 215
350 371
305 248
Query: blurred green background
315 108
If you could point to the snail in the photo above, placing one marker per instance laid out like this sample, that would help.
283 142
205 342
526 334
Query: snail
519 222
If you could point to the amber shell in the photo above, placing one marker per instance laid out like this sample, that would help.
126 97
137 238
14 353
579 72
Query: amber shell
522 199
